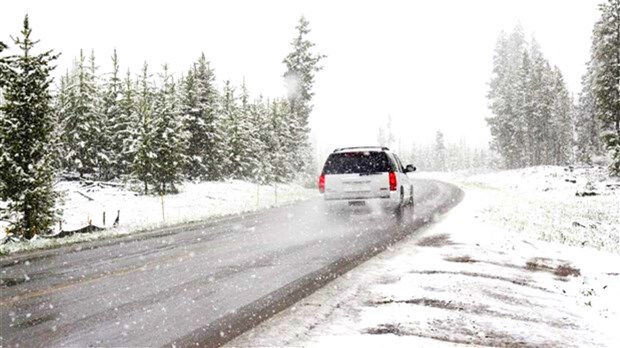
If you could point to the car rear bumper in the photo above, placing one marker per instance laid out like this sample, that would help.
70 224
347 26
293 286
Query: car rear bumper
361 203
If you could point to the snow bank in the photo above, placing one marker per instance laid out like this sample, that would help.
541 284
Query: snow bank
578 206
481 275
195 202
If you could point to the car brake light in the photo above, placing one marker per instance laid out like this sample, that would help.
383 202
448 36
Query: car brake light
392 181
322 183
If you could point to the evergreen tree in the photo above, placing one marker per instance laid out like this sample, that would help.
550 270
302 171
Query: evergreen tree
259 168
532 112
587 125
545 104
4 68
439 152
194 167
234 143
202 123
606 78
144 150
561 122
5 73
100 132
540 96
279 143
125 130
301 66
504 124
385 136
114 124
82 121
522 106
214 154
62 105
26 129
238 120
168 137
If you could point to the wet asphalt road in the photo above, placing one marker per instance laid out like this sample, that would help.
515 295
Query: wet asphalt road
195 285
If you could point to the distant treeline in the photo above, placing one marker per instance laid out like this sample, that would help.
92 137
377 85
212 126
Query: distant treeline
438 155
447 156
535 119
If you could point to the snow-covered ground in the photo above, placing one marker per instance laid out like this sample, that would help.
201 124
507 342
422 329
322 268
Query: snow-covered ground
521 262
196 201
575 206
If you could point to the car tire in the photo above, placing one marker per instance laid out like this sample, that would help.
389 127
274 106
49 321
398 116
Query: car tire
399 210
411 198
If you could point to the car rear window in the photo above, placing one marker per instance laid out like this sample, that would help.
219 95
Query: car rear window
357 162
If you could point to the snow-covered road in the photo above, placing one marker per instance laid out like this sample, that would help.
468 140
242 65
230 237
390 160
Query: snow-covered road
201 283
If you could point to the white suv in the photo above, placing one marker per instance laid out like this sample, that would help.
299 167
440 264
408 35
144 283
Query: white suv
359 176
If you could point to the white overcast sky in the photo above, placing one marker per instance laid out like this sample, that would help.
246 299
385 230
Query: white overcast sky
425 63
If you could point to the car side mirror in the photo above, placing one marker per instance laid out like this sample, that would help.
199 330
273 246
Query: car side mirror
410 168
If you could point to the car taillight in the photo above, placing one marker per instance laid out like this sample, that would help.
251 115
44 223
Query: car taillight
392 181
322 183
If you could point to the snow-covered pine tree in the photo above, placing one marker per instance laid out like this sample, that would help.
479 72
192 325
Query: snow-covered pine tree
270 142
194 167
235 119
587 125
301 66
82 121
606 78
544 103
499 97
229 115
381 138
249 137
26 129
4 68
144 152
62 104
505 123
279 143
439 152
518 73
168 137
114 125
259 167
539 107
125 131
561 122
202 123
101 134
522 106
4 78
385 135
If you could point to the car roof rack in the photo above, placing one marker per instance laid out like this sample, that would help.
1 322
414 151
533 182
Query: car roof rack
384 148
